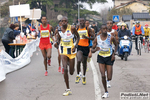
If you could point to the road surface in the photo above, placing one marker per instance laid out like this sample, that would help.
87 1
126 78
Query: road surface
29 83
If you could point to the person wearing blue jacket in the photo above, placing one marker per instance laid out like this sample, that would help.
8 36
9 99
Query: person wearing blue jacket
137 31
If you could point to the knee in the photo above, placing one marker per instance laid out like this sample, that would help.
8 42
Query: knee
78 62
48 56
71 73
65 70
103 77
45 58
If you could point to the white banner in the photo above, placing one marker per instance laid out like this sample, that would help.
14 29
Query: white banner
35 14
19 10
9 64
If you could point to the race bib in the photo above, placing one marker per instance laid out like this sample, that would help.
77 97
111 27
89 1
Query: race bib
105 52
67 43
84 32
44 33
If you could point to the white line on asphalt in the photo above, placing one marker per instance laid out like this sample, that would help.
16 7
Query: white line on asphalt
96 82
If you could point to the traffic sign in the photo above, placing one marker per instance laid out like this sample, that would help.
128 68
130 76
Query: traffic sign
116 18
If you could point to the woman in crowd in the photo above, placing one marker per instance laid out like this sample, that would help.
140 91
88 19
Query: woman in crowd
8 37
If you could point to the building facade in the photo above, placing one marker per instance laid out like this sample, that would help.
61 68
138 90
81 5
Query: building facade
119 2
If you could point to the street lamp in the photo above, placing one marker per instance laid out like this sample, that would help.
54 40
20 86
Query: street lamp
78 11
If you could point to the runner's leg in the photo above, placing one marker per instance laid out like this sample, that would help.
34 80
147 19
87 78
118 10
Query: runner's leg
102 71
109 72
65 62
79 59
71 66
45 58
84 61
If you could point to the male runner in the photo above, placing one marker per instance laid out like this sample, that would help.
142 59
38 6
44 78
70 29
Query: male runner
106 56
45 44
59 56
114 33
83 49
66 39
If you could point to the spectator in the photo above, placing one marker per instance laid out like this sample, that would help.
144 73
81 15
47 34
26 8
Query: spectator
12 48
114 26
95 28
8 37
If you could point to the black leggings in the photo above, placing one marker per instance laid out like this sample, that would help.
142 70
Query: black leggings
7 47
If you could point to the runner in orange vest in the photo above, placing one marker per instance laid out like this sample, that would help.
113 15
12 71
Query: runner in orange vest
138 30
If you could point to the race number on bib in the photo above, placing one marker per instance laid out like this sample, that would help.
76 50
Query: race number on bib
81 33
45 33
105 52
67 43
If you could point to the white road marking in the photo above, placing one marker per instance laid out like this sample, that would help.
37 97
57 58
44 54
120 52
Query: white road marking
96 82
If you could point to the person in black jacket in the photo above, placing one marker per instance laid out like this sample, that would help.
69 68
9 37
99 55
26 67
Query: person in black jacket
8 37
124 31
95 28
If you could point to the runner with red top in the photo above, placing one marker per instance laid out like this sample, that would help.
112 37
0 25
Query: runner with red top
45 43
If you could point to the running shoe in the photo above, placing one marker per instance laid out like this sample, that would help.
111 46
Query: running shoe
49 62
77 79
106 95
46 73
67 92
59 69
84 80
62 70
108 84
80 74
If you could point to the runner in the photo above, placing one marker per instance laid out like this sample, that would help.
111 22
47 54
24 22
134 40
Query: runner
114 33
106 56
45 44
66 39
59 57
83 49
87 24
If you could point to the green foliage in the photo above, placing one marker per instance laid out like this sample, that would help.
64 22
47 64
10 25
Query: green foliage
53 23
123 11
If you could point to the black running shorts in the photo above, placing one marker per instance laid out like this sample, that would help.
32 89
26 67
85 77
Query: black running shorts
105 60
85 50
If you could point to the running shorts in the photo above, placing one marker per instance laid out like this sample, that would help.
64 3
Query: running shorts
45 46
85 50
105 60
70 56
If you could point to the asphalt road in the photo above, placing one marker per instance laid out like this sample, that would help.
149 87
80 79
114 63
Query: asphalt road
29 83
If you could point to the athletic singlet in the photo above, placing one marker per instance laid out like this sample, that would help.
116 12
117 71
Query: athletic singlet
83 42
147 31
112 31
67 41
45 34
105 46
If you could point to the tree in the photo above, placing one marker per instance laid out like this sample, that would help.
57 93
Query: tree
70 8
40 4
120 12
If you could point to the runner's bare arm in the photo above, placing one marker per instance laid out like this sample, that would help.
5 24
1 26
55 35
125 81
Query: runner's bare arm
57 41
77 35
90 33
114 41
94 48
93 31
55 34
52 31
116 36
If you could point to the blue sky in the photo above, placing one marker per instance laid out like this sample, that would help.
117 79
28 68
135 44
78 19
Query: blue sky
98 6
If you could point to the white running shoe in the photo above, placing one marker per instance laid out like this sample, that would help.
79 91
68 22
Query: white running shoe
106 95
108 84
80 74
